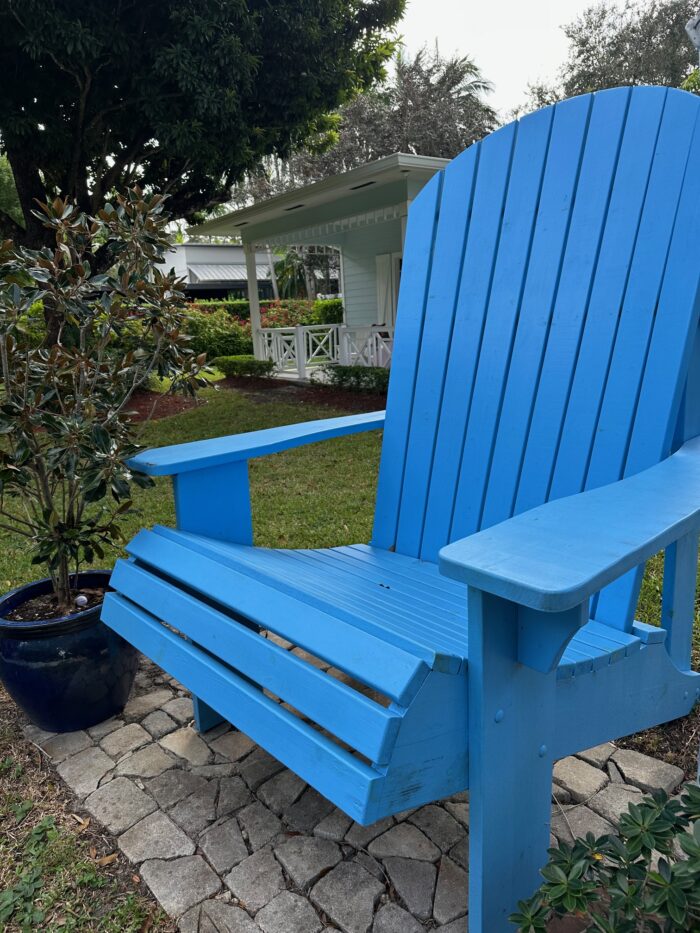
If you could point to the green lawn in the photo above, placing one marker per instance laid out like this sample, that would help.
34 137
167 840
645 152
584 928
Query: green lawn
310 497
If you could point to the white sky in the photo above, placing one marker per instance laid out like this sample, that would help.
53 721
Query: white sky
514 42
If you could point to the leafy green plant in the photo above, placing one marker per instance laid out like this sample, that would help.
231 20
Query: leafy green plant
215 333
328 310
237 307
647 880
692 82
370 379
244 365
64 404
288 312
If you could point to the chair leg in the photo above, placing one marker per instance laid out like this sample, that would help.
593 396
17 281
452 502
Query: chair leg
205 717
510 768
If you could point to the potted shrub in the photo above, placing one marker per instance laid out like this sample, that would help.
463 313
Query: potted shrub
75 344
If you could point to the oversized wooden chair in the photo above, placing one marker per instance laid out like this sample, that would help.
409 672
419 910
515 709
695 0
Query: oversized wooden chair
540 443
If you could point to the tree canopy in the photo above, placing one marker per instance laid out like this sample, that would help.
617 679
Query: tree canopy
183 96
429 105
639 42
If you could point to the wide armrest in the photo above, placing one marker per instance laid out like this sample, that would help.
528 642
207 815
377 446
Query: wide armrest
554 557
198 455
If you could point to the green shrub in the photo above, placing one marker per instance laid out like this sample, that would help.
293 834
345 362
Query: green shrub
243 366
289 312
371 379
237 307
328 311
615 883
216 334
31 326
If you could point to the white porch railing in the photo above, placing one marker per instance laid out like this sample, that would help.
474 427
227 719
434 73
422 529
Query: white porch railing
299 349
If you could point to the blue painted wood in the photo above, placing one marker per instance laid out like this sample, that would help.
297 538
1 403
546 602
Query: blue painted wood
493 272
349 715
554 557
645 690
547 348
438 323
578 432
511 730
662 298
527 468
215 501
332 770
511 351
415 276
205 716
678 602
196 455
376 662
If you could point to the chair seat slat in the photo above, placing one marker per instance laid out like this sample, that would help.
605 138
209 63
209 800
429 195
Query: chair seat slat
349 715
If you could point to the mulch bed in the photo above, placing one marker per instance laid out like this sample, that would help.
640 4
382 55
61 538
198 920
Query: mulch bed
269 390
675 742
151 405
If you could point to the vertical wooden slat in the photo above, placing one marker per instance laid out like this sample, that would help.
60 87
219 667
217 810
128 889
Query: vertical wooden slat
678 603
418 249
480 277
521 321
450 240
597 341
652 412
523 465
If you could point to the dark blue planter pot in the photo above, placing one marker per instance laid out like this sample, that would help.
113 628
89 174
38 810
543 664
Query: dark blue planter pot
67 673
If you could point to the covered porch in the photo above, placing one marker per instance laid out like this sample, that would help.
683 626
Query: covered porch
362 214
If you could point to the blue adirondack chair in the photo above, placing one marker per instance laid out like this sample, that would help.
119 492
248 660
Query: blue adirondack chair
540 444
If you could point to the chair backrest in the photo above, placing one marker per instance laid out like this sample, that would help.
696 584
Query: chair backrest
547 315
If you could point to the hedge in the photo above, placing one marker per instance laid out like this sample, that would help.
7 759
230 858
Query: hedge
289 312
243 366
236 307
217 334
370 379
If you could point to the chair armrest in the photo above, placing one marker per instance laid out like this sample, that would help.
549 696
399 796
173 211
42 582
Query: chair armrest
554 557
198 455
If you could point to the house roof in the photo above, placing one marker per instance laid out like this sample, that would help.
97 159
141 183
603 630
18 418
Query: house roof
344 189
200 272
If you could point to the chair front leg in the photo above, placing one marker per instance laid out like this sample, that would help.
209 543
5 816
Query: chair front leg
511 707
214 502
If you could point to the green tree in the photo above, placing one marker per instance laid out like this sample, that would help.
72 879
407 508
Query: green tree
640 42
183 96
9 202
431 105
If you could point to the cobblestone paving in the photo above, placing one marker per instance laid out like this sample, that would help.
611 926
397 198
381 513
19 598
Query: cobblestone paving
229 840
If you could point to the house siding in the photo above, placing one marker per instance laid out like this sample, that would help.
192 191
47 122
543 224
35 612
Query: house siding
360 249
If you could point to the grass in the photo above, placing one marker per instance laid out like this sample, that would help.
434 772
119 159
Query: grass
310 497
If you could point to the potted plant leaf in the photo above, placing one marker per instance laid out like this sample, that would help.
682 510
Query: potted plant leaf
75 345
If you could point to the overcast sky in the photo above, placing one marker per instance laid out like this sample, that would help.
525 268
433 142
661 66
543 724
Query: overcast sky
514 42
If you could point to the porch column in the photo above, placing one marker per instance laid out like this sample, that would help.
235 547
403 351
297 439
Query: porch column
253 297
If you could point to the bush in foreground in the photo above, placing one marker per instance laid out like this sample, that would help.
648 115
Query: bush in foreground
617 883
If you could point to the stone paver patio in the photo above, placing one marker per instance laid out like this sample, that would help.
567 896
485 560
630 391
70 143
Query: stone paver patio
229 840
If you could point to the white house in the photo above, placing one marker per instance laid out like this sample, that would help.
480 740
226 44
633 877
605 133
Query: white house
362 213
219 271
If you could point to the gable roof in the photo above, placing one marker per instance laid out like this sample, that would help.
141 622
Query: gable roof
301 201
